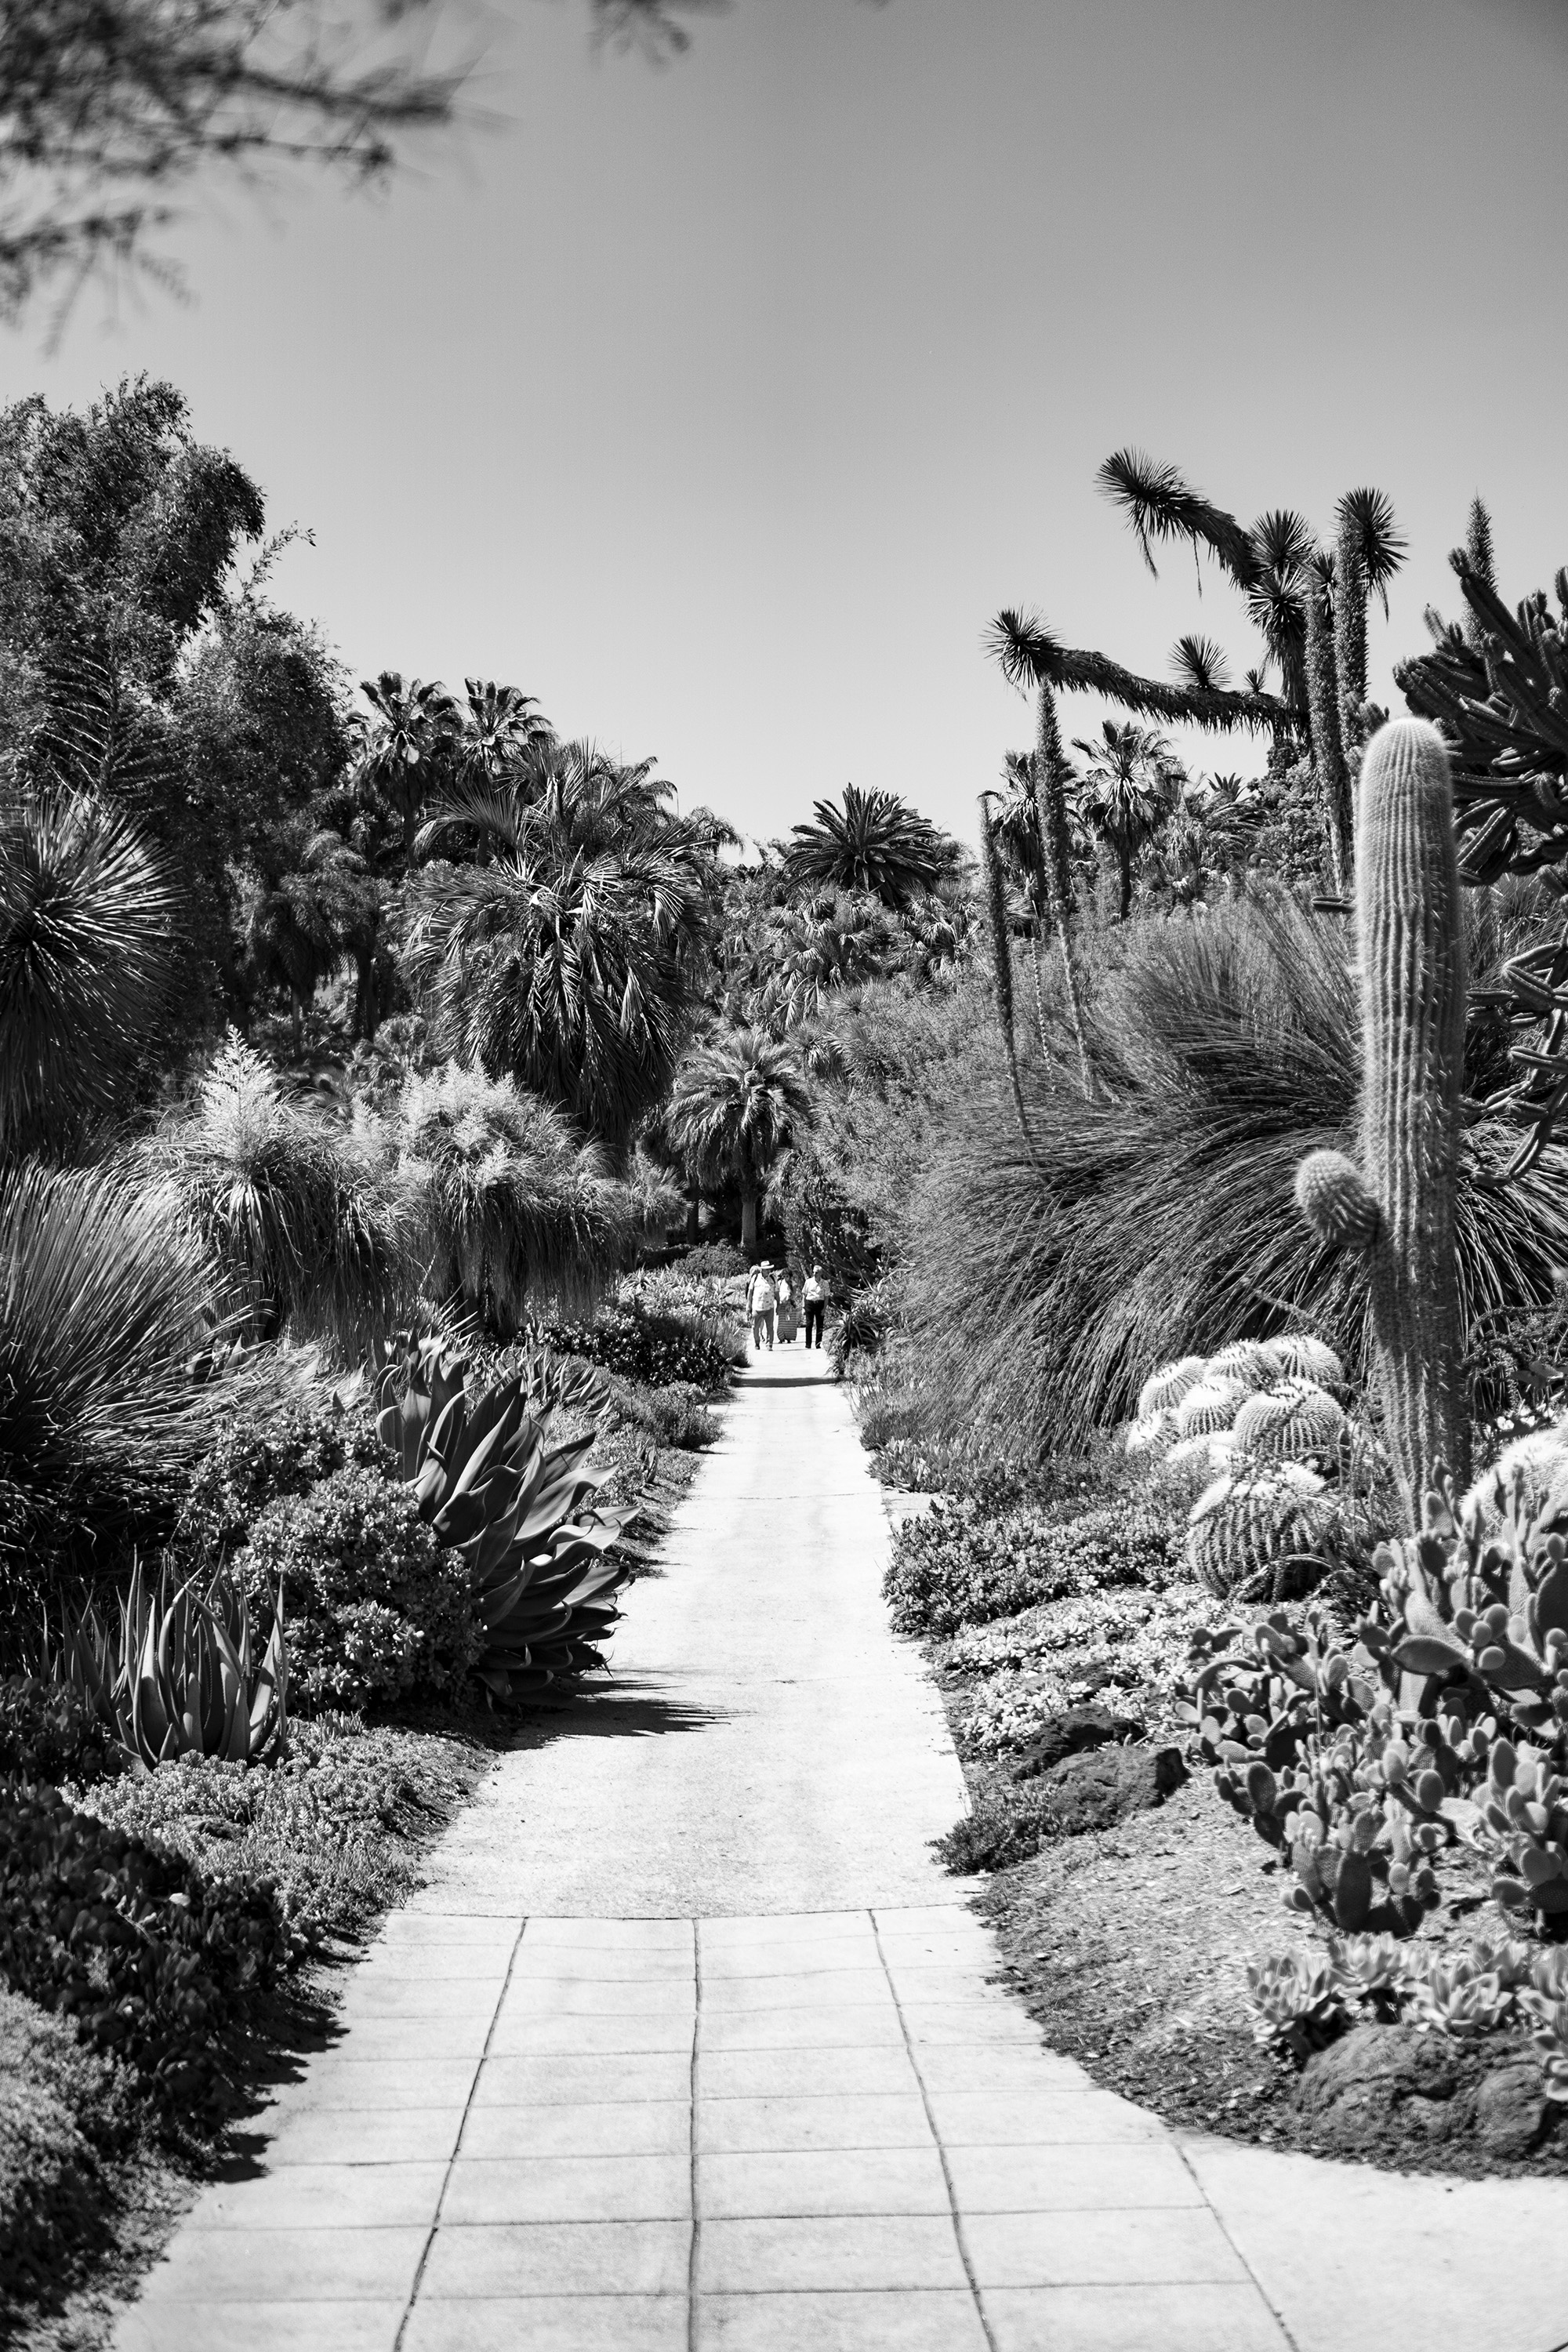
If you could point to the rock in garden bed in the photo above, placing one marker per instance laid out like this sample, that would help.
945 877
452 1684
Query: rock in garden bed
1131 1945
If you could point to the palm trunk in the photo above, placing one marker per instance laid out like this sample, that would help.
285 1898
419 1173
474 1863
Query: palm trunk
1124 879
693 1215
1055 868
749 1205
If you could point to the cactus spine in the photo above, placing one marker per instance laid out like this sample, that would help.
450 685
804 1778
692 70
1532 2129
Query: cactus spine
1412 952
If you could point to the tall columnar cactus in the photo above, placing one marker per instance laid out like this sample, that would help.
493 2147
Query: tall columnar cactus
1400 1207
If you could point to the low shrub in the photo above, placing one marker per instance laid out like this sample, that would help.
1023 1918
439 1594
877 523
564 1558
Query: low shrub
50 1732
63 2112
335 1828
715 1261
676 1415
375 1609
960 1565
151 1958
656 1346
252 1463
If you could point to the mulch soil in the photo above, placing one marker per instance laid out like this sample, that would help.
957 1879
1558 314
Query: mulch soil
1130 1946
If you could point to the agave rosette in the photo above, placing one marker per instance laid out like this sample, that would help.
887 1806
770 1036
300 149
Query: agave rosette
522 1517
184 1677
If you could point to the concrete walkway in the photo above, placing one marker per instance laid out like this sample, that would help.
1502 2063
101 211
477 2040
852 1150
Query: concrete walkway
690 2044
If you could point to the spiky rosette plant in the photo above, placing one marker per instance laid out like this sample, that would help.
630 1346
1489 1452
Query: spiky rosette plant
522 1517
185 1675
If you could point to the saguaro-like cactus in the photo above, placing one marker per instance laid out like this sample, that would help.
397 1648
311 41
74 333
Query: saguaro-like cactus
1399 1206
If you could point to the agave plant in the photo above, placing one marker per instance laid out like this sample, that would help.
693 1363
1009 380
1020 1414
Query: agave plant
183 1679
522 1518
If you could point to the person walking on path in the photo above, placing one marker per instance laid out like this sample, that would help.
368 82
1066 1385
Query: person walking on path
815 1304
762 1299
789 1314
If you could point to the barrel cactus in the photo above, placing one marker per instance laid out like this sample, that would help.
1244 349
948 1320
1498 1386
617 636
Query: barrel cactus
1252 1532
1291 1423
1399 1205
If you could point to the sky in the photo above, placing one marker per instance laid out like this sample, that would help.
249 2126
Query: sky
720 404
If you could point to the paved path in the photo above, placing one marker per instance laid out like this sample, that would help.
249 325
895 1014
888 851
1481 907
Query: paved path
689 2046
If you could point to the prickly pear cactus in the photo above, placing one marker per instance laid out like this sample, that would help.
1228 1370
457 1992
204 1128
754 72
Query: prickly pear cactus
1399 1206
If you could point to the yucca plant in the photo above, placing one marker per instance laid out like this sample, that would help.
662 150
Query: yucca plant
522 1517
304 1221
86 912
185 1675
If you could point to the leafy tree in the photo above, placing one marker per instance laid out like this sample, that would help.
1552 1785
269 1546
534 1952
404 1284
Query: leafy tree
1130 786
113 107
873 842
738 1101
118 531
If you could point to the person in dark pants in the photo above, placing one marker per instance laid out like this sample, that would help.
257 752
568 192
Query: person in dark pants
816 1305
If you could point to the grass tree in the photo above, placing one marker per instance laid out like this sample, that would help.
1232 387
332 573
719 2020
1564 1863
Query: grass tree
738 1101
303 1220
510 1211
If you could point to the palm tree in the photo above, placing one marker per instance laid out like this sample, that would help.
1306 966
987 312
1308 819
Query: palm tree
874 843
500 727
738 1103
1128 792
297 919
87 954
402 748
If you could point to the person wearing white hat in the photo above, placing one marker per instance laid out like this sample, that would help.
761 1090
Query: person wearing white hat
762 1299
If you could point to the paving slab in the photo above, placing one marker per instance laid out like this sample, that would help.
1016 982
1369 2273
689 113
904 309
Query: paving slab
689 2046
